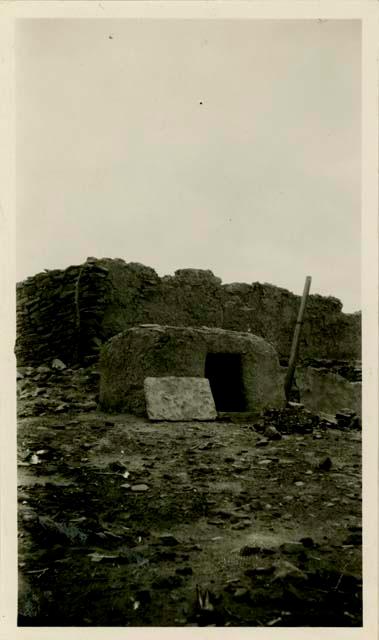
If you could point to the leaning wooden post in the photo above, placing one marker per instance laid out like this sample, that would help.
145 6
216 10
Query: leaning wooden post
296 338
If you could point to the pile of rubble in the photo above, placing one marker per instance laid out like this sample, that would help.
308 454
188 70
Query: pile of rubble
295 418
56 388
292 419
345 419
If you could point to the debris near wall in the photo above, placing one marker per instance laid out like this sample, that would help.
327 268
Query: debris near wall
297 419
56 389
291 419
348 419
70 313
345 420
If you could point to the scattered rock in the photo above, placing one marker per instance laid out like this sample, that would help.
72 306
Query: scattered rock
168 540
326 465
308 542
347 419
272 433
274 622
248 550
237 468
224 514
164 556
258 426
207 445
29 517
262 442
61 407
43 369
91 405
117 467
242 525
140 487
98 557
284 570
203 469
291 419
355 423
58 364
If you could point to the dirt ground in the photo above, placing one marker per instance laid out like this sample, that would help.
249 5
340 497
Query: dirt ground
127 523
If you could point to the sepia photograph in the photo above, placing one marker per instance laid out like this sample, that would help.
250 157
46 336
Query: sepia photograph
189 322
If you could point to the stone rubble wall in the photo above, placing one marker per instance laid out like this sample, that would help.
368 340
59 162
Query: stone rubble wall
60 314
69 313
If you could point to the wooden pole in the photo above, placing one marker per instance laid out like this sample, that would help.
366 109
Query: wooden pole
296 338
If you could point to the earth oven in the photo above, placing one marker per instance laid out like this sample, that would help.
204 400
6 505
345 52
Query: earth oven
243 369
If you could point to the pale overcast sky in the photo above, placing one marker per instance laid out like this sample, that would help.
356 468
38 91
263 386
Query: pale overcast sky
225 145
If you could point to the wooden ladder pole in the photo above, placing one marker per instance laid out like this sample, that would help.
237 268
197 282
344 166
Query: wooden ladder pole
296 339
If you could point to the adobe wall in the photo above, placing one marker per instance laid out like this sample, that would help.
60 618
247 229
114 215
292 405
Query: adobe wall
69 313
157 351
326 391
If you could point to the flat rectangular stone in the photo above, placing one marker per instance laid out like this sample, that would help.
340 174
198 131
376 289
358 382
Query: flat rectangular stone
179 399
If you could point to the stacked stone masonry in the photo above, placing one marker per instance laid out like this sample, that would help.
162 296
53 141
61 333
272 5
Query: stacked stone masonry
69 314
